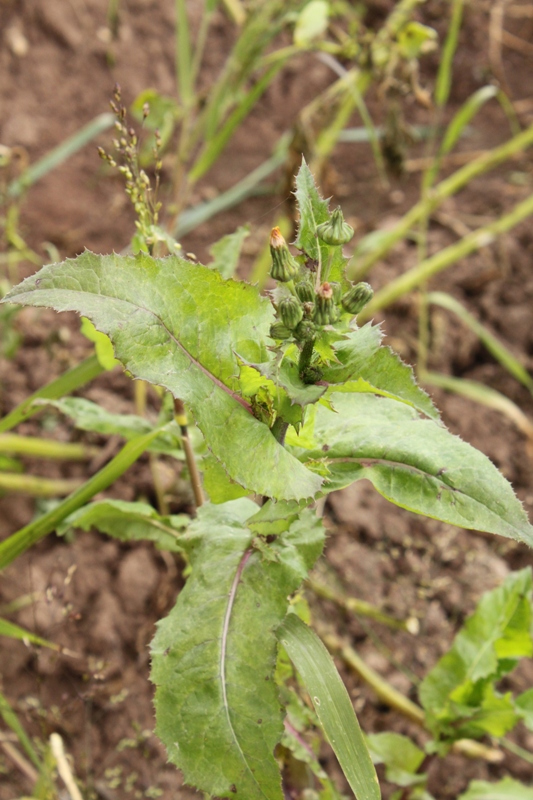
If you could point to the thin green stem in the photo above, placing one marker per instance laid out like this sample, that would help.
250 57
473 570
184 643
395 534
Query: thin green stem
306 354
279 429
357 606
37 486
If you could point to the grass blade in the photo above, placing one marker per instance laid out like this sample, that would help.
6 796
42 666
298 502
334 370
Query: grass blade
60 154
376 245
72 379
332 705
468 110
16 632
20 541
445 258
444 76
12 721
493 345
480 393
183 53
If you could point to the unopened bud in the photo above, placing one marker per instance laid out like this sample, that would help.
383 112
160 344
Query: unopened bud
336 230
305 291
279 331
284 267
305 331
290 312
326 311
357 297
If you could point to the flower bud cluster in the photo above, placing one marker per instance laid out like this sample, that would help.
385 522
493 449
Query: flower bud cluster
301 313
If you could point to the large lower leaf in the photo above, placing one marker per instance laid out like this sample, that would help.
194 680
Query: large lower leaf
415 463
178 325
217 706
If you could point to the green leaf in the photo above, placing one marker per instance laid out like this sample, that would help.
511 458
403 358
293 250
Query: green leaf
311 23
217 483
226 252
214 655
376 369
13 722
332 705
402 758
314 211
458 694
415 463
89 416
178 325
102 345
506 789
524 706
129 522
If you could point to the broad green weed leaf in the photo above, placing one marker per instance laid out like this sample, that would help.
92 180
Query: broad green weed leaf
415 463
226 252
217 483
129 522
214 656
312 22
402 758
179 325
524 706
89 416
332 705
458 694
506 789
376 369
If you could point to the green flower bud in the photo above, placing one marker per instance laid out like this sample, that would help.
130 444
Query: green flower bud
290 312
305 331
336 230
326 312
284 267
337 292
279 331
305 291
357 297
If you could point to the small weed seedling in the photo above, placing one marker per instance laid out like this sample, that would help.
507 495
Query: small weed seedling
294 400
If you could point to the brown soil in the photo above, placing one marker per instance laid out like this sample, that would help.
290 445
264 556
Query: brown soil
101 599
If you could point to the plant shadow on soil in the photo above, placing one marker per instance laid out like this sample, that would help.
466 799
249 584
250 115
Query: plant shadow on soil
100 598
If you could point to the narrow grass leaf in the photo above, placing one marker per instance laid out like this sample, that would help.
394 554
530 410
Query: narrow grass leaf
178 324
217 705
16 632
332 705
491 342
20 541
226 252
60 154
461 119
71 380
444 74
13 722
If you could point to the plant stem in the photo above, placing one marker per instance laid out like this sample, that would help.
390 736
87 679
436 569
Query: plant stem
305 356
357 606
279 429
180 416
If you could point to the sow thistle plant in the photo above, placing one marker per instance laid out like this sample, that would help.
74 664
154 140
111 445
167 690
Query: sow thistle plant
294 400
